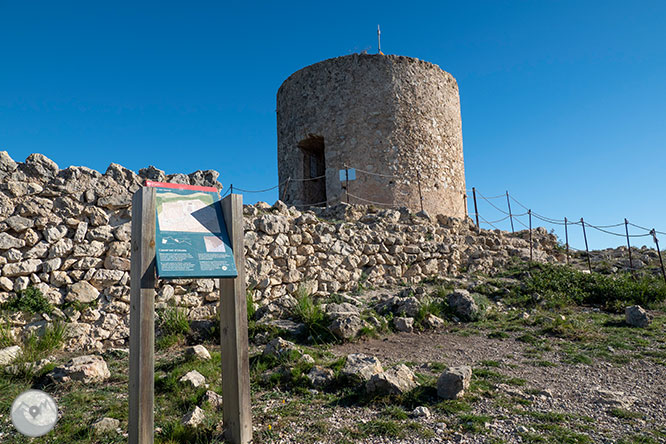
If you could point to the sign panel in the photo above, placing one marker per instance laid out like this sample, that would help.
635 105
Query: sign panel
191 239
348 174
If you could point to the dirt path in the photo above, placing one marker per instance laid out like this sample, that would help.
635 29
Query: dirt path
599 392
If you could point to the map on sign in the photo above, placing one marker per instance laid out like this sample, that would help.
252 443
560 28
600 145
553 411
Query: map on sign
191 237
191 214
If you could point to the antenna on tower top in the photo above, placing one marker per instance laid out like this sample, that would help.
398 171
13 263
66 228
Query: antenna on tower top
379 41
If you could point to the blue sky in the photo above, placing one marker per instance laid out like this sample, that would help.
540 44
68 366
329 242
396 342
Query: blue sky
563 102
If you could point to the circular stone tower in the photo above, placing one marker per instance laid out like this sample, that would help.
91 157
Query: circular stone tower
395 120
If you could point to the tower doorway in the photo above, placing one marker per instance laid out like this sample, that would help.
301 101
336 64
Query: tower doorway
314 170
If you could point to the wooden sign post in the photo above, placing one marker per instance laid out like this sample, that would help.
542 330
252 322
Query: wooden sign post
233 319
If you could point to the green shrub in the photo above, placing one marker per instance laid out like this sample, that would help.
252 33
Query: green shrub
30 300
174 321
313 317
559 285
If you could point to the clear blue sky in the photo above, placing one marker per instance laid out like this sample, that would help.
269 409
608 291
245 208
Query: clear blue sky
563 102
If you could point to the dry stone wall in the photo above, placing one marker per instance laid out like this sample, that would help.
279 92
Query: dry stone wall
66 232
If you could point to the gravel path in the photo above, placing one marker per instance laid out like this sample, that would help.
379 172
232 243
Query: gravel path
582 391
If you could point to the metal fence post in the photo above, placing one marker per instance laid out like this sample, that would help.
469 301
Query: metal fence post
587 250
656 242
476 210
508 203
418 178
566 237
529 212
347 182
626 229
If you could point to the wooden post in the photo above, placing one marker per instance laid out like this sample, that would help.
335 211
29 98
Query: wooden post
233 333
465 203
142 318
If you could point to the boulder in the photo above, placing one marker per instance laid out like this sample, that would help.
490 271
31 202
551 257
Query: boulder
24 268
361 367
346 327
40 166
421 412
194 378
194 418
463 305
320 376
280 349
453 382
395 381
8 354
82 291
8 241
272 224
19 223
87 369
404 324
636 316
105 425
213 399
432 321
198 351
7 164
341 310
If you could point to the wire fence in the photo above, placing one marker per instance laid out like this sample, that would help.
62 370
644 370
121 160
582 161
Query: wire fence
523 218
566 223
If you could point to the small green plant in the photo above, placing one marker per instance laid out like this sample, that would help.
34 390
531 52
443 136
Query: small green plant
30 300
312 316
624 414
6 338
38 345
174 326
394 412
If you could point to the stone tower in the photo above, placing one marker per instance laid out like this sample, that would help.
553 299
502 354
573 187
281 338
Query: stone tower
394 119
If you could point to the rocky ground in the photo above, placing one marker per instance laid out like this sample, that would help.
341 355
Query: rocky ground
471 359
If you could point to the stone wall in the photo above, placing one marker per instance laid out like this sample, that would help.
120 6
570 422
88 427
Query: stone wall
67 233
396 117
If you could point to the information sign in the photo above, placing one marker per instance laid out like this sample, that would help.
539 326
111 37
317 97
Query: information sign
191 239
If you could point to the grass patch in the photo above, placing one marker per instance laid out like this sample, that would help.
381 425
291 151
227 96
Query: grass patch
474 423
624 414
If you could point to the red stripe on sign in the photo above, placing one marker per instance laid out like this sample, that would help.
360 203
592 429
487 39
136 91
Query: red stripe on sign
178 186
